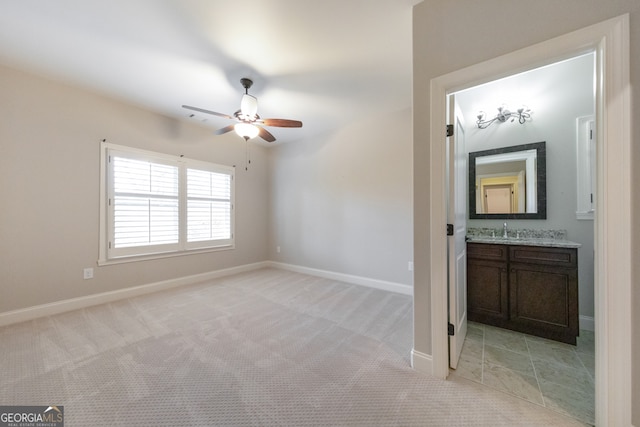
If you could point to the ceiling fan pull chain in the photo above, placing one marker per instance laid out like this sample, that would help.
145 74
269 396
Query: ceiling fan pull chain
247 157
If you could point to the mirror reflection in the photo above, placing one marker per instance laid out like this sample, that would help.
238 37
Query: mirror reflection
508 182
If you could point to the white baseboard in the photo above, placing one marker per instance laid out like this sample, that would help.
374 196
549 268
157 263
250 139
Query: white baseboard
30 313
587 323
421 362
348 278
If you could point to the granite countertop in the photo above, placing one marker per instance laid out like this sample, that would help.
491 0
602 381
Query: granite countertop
523 237
524 241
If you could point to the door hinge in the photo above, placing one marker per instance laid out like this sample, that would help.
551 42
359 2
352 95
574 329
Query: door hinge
449 130
451 330
449 229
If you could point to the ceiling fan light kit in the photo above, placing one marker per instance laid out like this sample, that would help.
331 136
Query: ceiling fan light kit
249 122
246 130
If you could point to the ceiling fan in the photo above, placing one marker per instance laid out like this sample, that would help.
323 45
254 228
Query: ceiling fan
249 122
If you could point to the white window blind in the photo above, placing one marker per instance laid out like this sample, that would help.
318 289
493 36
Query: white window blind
208 205
158 204
145 203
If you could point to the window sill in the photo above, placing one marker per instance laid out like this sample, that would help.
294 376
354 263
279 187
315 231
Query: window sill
162 255
588 215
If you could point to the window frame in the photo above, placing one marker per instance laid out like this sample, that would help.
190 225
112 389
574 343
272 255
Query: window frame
586 167
110 255
214 168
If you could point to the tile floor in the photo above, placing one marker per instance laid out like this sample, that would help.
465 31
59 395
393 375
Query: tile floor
552 374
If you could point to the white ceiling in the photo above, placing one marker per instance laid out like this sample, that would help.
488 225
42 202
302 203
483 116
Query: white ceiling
322 62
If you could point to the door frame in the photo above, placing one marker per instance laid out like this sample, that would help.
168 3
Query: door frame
610 42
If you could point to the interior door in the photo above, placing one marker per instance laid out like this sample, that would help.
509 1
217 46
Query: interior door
457 247
498 198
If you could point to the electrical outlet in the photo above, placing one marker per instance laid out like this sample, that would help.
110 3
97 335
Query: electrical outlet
278 249
410 265
88 273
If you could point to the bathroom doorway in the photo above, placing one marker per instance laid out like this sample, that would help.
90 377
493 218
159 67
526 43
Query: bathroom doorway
548 373
613 215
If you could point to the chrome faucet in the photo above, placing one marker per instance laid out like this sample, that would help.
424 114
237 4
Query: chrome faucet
504 231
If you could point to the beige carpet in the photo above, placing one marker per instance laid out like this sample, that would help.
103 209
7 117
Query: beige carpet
268 347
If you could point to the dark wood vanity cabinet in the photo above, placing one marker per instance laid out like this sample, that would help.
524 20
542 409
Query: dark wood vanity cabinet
487 283
529 289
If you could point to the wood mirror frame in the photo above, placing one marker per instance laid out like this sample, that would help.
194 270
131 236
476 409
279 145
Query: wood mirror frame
541 182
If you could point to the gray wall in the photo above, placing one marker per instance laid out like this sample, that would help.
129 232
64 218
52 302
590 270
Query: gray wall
49 186
557 95
342 202
451 35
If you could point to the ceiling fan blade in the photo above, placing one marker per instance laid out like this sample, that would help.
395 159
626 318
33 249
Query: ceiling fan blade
225 129
202 110
266 135
282 123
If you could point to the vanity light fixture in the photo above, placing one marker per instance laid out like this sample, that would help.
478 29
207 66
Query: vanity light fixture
522 114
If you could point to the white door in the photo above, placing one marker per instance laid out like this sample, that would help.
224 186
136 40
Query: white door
457 246
498 199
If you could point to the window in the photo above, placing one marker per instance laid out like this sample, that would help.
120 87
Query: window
586 166
156 205
208 206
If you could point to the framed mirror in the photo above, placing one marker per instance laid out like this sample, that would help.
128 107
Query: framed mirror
508 183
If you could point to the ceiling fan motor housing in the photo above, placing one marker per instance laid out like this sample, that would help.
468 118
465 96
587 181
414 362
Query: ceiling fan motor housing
249 103
249 107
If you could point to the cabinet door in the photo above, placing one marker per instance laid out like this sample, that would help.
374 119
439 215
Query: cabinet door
487 291
544 300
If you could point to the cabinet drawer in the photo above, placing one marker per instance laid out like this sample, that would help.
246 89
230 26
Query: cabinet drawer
565 257
487 251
